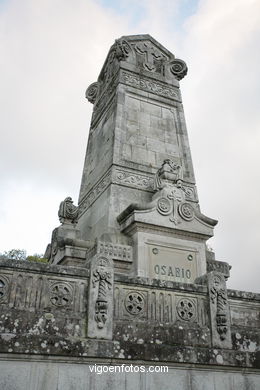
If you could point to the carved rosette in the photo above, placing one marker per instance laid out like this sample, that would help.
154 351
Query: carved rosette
134 303
61 295
186 309
91 92
186 211
164 206
178 68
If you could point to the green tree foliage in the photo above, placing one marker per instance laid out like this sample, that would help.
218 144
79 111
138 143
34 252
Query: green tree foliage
38 258
14 254
20 254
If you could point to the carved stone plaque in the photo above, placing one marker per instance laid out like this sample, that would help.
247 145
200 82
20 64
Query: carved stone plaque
179 265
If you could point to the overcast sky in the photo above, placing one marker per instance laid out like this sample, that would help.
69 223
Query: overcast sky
51 50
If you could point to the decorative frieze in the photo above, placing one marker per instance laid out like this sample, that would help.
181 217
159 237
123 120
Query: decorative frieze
157 306
134 180
129 179
95 192
148 85
116 251
37 292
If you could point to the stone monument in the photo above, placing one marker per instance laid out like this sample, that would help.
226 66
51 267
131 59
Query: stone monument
129 279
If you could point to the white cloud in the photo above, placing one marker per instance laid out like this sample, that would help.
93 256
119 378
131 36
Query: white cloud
221 98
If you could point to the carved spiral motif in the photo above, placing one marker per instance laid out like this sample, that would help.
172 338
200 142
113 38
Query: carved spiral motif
126 48
164 206
91 92
186 309
134 303
186 211
60 295
179 69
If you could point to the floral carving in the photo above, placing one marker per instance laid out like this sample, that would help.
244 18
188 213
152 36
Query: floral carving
116 251
103 279
186 211
186 309
135 180
87 201
150 86
91 92
178 68
164 206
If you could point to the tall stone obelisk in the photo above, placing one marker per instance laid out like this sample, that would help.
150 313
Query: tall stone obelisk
138 153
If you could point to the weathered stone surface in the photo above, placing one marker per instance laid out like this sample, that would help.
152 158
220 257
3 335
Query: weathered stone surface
130 280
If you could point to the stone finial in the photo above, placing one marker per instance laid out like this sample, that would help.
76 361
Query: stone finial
67 211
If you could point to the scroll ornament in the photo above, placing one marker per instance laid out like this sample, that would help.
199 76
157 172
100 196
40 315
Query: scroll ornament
178 68
91 92
122 49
